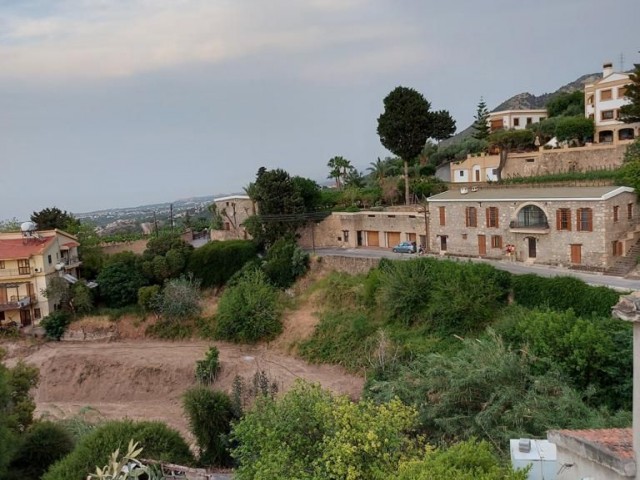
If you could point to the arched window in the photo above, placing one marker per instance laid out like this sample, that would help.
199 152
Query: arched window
532 216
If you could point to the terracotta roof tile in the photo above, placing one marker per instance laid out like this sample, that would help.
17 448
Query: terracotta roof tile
18 248
616 441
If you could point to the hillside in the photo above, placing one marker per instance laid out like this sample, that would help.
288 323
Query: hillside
526 100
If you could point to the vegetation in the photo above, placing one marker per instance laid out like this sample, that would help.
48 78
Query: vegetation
629 174
51 218
285 262
120 280
630 113
481 125
159 443
207 369
180 300
210 414
407 123
165 257
216 262
566 105
506 141
249 311
578 129
55 324
602 174
127 467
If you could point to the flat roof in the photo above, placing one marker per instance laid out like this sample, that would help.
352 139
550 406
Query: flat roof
517 194
232 197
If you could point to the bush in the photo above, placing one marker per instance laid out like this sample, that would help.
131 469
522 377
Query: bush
56 324
210 414
180 300
159 442
249 311
207 369
149 298
285 262
215 262
119 283
563 293
574 128
43 444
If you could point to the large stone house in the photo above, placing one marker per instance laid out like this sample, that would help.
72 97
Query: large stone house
570 226
234 210
602 102
28 260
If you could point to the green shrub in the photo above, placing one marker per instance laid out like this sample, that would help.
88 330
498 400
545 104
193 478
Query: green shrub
171 330
180 300
159 442
149 298
210 414
207 369
563 293
249 311
285 262
43 444
119 283
215 262
55 324
342 291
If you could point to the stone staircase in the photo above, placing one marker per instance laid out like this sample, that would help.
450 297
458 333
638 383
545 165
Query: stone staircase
627 263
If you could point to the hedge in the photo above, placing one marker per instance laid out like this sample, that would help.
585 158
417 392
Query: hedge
216 262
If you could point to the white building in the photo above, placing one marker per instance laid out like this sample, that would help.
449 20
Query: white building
515 119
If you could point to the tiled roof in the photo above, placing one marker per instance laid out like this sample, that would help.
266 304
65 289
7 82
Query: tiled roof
528 193
617 442
71 244
19 248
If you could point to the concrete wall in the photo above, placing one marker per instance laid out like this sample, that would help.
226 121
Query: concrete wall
581 467
353 265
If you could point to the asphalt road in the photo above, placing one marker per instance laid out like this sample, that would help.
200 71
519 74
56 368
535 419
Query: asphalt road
513 267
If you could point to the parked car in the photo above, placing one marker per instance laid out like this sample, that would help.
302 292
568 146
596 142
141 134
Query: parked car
404 247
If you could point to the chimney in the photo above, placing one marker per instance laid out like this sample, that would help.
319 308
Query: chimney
607 69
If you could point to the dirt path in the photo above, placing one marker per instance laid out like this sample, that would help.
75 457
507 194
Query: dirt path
145 379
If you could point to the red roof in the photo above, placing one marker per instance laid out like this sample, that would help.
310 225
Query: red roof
618 442
20 248
71 244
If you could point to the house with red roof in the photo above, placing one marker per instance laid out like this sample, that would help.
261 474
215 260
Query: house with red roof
28 261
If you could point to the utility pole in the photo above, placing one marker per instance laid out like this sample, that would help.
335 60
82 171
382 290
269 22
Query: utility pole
424 209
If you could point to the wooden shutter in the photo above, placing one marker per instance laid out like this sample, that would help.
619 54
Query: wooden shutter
497 212
578 217
568 213
466 216
589 220
558 219
442 216
488 217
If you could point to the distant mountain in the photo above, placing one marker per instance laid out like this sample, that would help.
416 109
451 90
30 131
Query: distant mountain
526 100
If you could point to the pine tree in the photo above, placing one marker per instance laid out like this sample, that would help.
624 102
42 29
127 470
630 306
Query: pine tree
481 125
630 113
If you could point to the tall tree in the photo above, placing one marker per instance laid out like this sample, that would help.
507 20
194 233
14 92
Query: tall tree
506 140
407 123
631 113
340 168
377 171
51 218
481 125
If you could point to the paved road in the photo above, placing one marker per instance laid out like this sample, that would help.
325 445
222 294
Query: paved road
513 267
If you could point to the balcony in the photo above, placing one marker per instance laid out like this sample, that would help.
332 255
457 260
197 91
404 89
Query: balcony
16 303
71 262
523 226
15 272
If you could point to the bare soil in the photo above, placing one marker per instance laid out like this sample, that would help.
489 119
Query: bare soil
144 379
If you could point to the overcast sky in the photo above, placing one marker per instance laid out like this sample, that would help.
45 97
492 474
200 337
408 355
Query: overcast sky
113 103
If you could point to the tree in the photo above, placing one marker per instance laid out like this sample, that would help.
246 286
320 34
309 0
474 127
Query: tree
309 191
340 168
180 299
574 129
507 140
566 105
377 171
12 225
481 125
216 219
51 218
119 283
407 123
631 113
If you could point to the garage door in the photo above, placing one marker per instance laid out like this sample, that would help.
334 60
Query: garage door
411 237
393 238
373 239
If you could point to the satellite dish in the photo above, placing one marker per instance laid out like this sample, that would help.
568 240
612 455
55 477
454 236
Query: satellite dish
28 227
59 266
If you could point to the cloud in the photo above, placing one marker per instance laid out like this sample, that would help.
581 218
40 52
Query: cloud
98 38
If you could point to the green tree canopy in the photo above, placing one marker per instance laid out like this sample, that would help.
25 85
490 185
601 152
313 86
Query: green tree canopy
566 105
574 128
51 218
631 113
407 123
481 124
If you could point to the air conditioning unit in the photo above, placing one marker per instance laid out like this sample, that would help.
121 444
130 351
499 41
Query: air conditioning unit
37 270
474 189
464 190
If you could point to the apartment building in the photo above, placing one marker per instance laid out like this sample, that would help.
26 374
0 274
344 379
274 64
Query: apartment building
28 260
587 227
234 210
602 101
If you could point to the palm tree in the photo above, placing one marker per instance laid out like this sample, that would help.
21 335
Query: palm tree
340 167
378 169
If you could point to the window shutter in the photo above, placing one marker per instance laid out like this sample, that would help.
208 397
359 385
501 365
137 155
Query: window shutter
488 216
497 212
568 212
466 216
499 241
589 220
558 219
578 217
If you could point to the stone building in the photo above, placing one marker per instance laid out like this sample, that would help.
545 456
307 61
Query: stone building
570 226
234 210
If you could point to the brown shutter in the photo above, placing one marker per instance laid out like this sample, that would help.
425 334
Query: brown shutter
578 216
589 220
499 242
466 216
488 216
558 219
497 210
442 216
568 212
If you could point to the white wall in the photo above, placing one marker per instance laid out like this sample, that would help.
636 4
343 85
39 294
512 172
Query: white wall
460 175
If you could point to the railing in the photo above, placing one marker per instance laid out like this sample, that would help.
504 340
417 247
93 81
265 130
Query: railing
14 272
71 260
16 303
529 225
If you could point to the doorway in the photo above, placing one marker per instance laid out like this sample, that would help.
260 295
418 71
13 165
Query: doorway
532 247
25 318
443 243
482 245
359 238
576 254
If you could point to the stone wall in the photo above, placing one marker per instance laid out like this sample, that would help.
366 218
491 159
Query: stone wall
580 159
353 265
136 246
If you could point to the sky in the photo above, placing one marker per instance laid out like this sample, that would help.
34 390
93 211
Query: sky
116 103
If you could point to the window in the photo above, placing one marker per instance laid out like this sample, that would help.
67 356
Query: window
584 220
1 264
2 319
530 160
496 241
345 235
616 213
442 216
471 217
492 217
590 100
391 216
461 173
516 122
563 219
36 313
606 94
49 259
617 248
629 215
606 115
529 120
23 267
622 91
